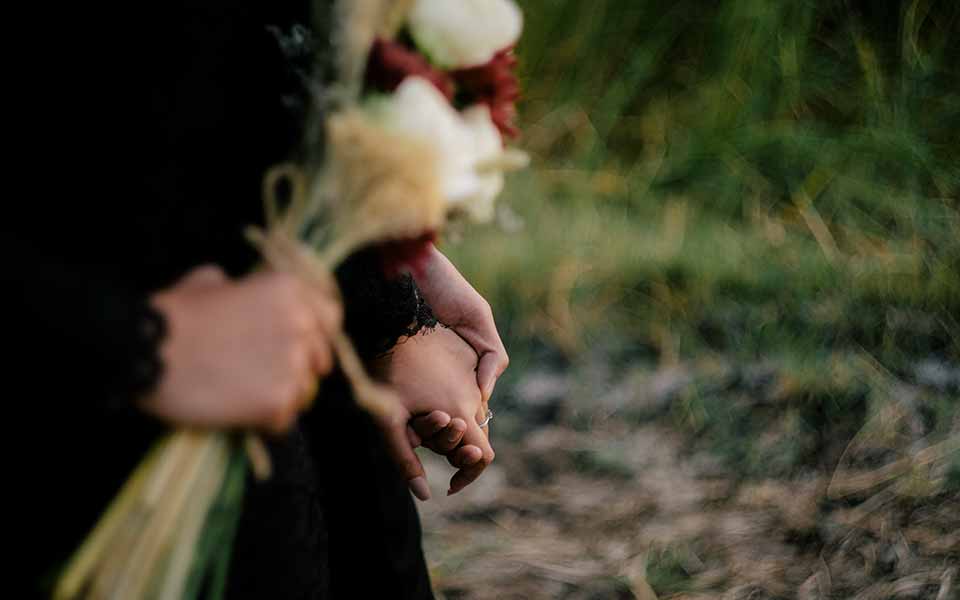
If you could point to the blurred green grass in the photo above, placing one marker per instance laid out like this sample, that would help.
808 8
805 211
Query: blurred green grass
747 181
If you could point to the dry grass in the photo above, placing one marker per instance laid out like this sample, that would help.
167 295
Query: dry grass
619 508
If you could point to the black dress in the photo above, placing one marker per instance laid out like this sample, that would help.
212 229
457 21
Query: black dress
148 132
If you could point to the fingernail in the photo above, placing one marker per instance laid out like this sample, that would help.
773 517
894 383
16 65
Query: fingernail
419 487
454 435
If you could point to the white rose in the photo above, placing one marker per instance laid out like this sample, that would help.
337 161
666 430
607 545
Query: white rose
488 147
464 33
468 147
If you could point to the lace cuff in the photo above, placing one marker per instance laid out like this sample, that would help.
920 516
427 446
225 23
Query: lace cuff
379 311
136 356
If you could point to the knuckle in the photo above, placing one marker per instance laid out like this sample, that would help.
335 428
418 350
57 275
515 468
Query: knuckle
332 314
480 312
486 309
279 417
294 359
300 320
210 272
285 280
270 278
286 287
280 424
283 397
270 403
324 361
295 319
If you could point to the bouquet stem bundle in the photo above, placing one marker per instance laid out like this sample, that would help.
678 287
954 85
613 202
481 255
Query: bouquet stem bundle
150 522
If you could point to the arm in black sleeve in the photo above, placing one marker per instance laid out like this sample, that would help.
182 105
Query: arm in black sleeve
88 331
84 347
379 310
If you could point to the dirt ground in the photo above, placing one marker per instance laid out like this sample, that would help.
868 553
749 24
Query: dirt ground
618 508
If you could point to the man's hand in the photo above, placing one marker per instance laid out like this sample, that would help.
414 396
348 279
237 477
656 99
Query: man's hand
456 304
245 353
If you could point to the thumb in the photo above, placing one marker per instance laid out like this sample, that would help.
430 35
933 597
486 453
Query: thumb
400 450
490 367
204 275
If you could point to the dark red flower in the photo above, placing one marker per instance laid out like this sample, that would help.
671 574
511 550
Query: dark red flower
390 63
398 256
494 84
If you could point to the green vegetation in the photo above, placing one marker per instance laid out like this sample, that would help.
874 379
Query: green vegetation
748 182
733 311
761 175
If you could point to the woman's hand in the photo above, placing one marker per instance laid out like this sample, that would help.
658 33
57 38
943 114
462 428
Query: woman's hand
456 304
433 372
244 353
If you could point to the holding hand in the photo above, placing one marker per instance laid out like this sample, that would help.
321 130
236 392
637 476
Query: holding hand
244 353
434 374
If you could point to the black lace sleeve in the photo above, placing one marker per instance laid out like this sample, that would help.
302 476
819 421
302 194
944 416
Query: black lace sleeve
378 310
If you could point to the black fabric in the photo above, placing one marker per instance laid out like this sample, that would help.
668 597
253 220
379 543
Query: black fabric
341 519
373 323
148 130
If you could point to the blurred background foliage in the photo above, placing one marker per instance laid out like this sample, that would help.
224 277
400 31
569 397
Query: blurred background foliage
743 176
761 196
746 179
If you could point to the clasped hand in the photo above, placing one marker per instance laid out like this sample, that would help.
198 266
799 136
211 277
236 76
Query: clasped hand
448 375
249 353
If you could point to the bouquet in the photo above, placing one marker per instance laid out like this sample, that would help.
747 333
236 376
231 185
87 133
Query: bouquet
413 132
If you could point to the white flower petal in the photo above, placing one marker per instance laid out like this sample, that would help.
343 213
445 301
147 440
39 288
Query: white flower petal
463 143
464 33
487 147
